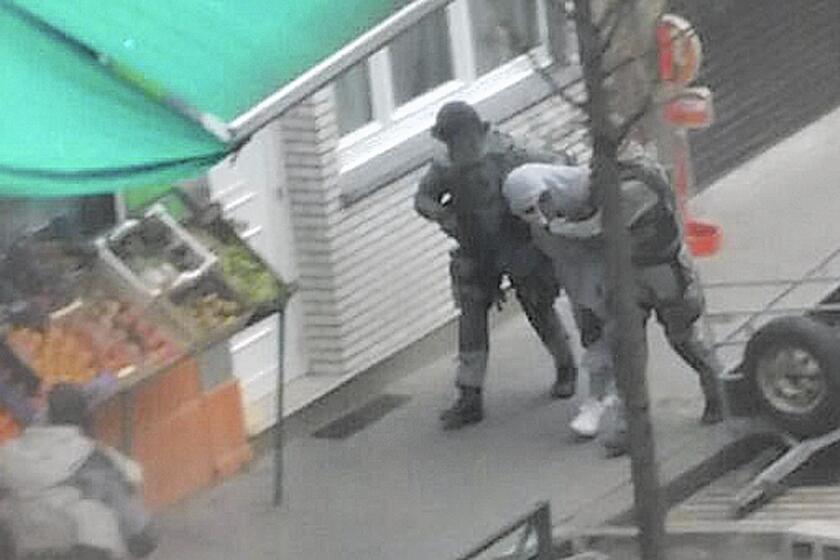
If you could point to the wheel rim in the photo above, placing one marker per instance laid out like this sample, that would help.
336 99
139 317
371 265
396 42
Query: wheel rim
791 380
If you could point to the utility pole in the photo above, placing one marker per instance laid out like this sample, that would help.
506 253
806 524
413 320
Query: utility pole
608 129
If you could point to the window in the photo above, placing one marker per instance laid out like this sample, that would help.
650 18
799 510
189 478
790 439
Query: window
421 58
352 98
448 49
502 29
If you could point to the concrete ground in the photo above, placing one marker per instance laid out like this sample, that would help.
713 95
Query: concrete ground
401 488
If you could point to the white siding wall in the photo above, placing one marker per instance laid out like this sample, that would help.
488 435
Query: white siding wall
309 143
250 188
373 274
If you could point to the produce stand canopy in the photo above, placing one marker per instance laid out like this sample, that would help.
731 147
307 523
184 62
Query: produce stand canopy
69 127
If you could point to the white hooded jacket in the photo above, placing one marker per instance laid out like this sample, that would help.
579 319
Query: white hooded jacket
578 260
44 511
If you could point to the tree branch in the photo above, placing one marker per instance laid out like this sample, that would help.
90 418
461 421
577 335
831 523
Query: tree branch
619 8
611 11
520 47
627 126
562 91
649 52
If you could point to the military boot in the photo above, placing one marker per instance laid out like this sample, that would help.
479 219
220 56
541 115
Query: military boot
565 386
468 409
702 359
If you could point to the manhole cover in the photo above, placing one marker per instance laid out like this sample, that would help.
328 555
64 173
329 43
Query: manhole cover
361 418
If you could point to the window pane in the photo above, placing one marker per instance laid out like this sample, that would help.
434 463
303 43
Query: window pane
502 29
421 57
352 97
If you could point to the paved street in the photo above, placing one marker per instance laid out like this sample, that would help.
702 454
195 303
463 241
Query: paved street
401 488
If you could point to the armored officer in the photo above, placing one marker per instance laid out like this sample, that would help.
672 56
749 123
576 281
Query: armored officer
462 192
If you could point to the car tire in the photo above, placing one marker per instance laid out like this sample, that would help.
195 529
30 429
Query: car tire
792 367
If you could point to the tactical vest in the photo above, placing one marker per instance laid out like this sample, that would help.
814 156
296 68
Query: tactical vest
487 231
656 237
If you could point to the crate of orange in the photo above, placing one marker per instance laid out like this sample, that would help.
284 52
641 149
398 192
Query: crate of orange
104 330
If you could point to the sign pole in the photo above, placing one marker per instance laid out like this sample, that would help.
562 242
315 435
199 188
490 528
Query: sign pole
680 54
278 428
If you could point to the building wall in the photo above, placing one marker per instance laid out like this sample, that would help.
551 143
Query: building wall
773 67
374 275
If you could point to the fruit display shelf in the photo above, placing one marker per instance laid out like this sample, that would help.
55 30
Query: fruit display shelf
38 278
155 254
110 331
242 268
104 330
210 306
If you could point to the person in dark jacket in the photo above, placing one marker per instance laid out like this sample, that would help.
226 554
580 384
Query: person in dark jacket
462 193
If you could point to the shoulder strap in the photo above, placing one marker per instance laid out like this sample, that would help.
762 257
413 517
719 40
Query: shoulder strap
652 175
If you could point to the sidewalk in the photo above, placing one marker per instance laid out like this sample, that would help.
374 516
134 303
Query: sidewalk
401 488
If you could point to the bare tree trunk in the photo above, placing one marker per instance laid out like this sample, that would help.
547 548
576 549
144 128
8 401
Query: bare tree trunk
630 353
632 85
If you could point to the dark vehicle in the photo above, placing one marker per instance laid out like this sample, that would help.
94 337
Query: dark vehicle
787 379
790 371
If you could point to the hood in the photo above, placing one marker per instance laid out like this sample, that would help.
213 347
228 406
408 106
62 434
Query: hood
43 457
568 186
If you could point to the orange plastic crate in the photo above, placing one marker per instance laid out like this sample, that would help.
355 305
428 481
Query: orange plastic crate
165 393
107 423
226 421
175 452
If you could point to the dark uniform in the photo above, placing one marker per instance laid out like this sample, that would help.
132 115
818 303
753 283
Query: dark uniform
467 201
668 286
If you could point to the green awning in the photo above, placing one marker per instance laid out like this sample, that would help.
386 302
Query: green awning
70 127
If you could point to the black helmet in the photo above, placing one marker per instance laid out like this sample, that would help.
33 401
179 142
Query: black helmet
454 116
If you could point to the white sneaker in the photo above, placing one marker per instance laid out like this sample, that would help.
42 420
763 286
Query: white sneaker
588 419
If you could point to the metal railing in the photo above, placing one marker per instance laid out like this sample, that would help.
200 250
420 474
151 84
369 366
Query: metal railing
537 522
815 275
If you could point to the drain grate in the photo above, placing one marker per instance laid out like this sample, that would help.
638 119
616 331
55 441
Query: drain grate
356 421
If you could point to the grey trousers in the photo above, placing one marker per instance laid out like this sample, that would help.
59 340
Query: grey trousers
478 290
673 293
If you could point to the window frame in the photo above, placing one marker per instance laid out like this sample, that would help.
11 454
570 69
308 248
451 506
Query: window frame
358 145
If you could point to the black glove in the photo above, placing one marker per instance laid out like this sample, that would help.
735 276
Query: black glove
448 222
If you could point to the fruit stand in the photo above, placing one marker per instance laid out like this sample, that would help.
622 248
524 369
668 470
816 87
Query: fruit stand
129 315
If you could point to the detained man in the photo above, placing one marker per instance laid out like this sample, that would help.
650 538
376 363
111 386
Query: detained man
67 497
566 225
